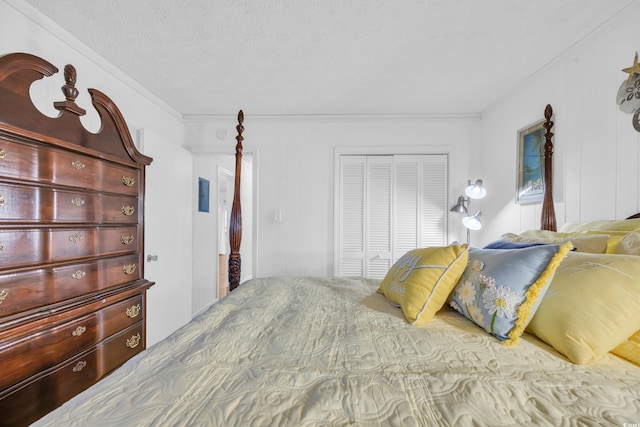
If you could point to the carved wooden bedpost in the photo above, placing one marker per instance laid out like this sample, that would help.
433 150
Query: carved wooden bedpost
235 224
548 212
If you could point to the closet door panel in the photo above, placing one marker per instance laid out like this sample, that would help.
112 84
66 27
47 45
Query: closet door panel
379 187
406 206
433 213
352 211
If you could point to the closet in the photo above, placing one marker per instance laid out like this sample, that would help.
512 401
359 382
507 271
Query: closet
387 205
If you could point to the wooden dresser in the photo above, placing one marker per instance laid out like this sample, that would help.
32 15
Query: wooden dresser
72 287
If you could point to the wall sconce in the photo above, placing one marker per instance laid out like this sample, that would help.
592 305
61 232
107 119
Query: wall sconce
463 205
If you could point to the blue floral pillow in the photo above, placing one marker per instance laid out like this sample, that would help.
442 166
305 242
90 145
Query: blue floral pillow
501 289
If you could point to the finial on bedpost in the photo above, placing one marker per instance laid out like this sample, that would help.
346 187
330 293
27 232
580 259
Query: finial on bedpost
235 225
70 93
548 221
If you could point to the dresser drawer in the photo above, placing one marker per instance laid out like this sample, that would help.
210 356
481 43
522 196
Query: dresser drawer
35 398
63 341
32 399
36 246
21 203
31 289
51 166
122 346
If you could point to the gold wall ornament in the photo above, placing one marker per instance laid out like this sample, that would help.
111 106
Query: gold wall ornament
127 240
628 96
79 366
134 341
133 311
78 275
128 210
129 269
3 153
75 237
129 181
3 295
79 331
77 164
633 70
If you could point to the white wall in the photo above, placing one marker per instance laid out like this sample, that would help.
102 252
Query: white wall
596 148
22 29
207 234
294 173
205 242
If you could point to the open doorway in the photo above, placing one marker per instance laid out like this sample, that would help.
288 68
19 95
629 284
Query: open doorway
225 188
225 199
210 229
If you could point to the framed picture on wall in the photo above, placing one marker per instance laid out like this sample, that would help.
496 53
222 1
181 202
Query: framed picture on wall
203 195
530 166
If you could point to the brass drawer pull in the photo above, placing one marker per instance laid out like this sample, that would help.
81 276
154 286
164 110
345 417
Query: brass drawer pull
78 274
3 153
79 331
129 269
1 247
3 295
77 164
77 201
1 200
128 181
133 311
79 366
134 341
75 238
127 240
128 210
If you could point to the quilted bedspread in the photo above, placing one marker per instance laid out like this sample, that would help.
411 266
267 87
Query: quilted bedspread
332 352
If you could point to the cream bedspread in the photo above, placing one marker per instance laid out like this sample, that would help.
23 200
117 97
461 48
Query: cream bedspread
333 352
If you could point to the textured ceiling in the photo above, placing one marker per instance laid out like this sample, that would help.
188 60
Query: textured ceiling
330 56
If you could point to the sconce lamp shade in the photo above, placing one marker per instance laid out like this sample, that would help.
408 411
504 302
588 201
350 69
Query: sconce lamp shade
460 205
476 190
473 222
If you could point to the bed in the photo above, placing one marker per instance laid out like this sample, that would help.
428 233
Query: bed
349 358
310 351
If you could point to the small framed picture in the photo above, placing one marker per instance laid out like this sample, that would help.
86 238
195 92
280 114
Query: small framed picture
203 195
530 167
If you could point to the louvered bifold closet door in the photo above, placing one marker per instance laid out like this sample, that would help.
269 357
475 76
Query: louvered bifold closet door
420 202
379 185
433 228
406 205
365 215
388 205
351 218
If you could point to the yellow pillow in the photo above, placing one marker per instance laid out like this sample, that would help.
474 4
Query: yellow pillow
619 225
629 244
616 228
591 306
630 349
612 243
422 279
582 242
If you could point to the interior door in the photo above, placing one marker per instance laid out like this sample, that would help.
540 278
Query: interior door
168 235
